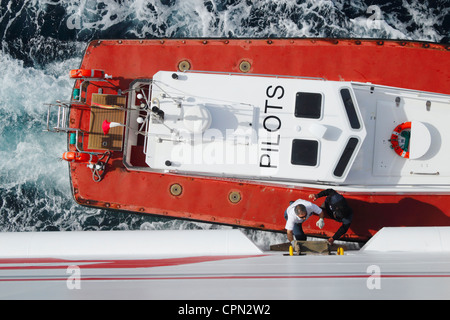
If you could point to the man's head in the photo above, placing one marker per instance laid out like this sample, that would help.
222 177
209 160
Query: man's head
300 211
339 213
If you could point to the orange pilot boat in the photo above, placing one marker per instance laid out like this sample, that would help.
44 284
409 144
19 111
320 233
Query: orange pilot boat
230 131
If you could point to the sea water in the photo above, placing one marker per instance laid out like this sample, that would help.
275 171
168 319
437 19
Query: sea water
42 39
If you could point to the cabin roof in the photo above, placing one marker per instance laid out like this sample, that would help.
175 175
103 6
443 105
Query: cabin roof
262 127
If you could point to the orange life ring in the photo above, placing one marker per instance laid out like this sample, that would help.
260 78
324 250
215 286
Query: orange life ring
72 156
87 73
394 139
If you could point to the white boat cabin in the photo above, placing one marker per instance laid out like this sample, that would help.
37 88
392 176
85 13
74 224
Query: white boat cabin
297 130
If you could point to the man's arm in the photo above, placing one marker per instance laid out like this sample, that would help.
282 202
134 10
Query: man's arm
341 231
321 214
346 222
323 193
290 235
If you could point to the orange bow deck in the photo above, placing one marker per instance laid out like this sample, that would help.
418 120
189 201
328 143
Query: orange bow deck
129 184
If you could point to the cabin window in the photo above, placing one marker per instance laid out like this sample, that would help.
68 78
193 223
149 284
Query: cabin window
345 157
350 109
304 152
308 105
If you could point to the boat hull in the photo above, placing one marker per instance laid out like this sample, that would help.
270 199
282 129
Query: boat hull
103 266
257 204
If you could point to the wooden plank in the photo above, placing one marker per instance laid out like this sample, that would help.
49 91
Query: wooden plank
108 111
308 247
108 100
280 247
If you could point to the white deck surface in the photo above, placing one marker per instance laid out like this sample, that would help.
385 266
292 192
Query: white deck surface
375 273
229 125
378 163
244 126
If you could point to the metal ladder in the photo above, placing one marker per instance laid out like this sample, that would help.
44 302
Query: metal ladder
62 123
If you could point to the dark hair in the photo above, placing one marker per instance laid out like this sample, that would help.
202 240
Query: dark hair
300 208
339 214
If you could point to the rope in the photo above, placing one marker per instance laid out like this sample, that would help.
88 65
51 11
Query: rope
98 173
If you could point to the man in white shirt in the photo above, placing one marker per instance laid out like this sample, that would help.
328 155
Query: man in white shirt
297 213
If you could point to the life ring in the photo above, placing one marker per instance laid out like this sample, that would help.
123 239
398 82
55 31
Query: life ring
72 156
87 73
401 151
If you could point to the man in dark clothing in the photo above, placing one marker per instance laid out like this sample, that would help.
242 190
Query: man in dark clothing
337 209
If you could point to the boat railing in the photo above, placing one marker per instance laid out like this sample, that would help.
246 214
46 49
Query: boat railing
63 109
255 75
62 124
395 91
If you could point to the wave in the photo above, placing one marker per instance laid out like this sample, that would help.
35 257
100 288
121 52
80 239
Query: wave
43 31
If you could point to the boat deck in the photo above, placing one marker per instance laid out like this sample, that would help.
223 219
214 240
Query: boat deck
252 127
428 171
235 201
114 139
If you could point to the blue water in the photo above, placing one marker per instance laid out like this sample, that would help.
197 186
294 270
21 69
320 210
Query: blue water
42 39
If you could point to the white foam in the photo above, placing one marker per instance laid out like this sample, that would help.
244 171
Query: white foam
263 18
26 152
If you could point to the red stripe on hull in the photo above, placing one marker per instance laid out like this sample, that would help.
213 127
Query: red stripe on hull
46 263
268 277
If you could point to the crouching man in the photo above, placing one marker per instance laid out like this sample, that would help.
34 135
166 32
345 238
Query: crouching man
297 213
337 209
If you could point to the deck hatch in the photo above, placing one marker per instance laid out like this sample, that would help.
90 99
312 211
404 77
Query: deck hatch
308 105
305 152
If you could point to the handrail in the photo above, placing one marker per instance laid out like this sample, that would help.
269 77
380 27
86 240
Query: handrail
62 125
255 74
